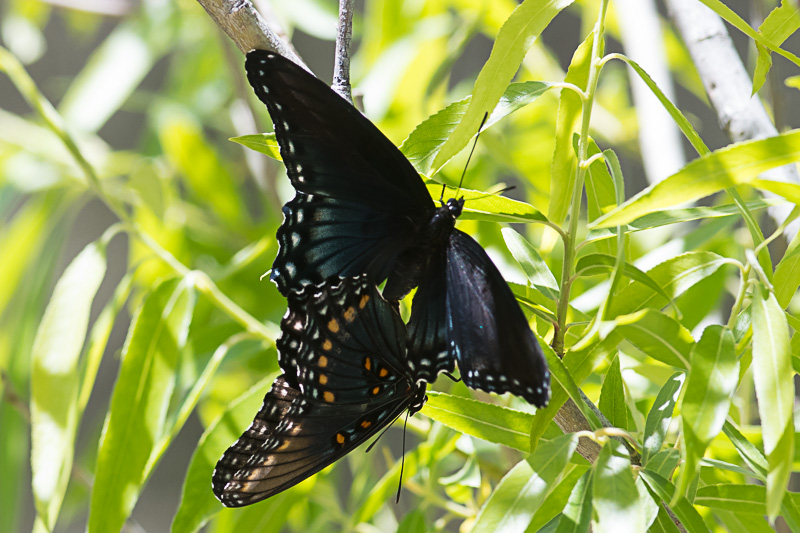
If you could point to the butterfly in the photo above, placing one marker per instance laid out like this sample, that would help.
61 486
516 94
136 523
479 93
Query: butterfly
360 207
343 350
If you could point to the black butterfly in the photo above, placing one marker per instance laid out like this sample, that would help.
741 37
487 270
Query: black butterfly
346 376
361 207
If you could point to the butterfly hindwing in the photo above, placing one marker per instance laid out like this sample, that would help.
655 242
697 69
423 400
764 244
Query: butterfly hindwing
323 237
490 336
346 377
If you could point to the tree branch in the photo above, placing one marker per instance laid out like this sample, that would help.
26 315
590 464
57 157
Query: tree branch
729 87
341 65
241 22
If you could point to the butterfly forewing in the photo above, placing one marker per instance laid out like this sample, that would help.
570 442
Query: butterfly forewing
494 346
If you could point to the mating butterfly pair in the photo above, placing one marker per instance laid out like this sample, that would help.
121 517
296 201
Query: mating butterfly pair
362 209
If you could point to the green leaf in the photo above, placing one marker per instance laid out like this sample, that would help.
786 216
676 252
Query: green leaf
675 276
600 190
732 497
664 462
562 377
562 169
658 335
486 421
512 43
663 523
781 23
577 514
198 503
774 383
485 206
55 380
660 416
592 264
108 78
615 498
736 164
737 22
675 216
136 418
684 510
786 279
556 499
711 382
523 489
424 143
612 397
747 451
532 263
743 522
264 143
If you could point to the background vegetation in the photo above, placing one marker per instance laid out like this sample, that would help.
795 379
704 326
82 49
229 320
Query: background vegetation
137 339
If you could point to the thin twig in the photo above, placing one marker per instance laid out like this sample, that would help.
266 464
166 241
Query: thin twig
341 65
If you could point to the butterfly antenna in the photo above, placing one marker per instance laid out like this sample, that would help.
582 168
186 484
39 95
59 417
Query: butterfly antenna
372 445
485 116
441 196
402 460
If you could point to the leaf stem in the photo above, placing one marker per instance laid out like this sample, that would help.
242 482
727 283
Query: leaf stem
570 251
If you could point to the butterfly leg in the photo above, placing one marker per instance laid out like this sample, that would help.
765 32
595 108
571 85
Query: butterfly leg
452 377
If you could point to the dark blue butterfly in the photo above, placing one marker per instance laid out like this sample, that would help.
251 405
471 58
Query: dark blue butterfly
346 376
361 207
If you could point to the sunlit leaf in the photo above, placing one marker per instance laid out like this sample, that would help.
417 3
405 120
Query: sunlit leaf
660 416
615 497
612 397
532 263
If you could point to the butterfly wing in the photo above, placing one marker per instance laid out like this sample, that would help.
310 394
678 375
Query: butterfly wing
292 438
323 237
489 335
346 378
360 202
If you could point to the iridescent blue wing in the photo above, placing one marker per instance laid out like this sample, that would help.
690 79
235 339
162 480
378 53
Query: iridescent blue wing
360 202
490 337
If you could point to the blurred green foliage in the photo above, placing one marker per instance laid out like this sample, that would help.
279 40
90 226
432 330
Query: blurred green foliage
654 295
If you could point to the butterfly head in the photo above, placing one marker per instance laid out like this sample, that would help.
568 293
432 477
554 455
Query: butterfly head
455 206
419 398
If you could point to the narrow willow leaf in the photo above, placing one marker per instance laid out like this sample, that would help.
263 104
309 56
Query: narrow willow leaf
198 503
735 164
612 397
737 22
577 515
486 421
781 23
774 383
522 490
512 43
732 497
648 503
532 263
676 216
108 78
143 391
560 374
660 416
424 143
711 382
675 276
264 143
562 169
55 380
743 522
685 511
486 206
615 498
592 264
747 451
786 279
658 335
664 462
663 523
557 498
600 189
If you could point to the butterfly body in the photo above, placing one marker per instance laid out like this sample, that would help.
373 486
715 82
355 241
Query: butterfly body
361 207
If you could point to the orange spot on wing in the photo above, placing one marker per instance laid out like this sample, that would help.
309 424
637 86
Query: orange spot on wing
363 302
333 325
328 396
327 345
375 391
365 424
323 379
383 373
323 361
368 363
350 314
340 438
